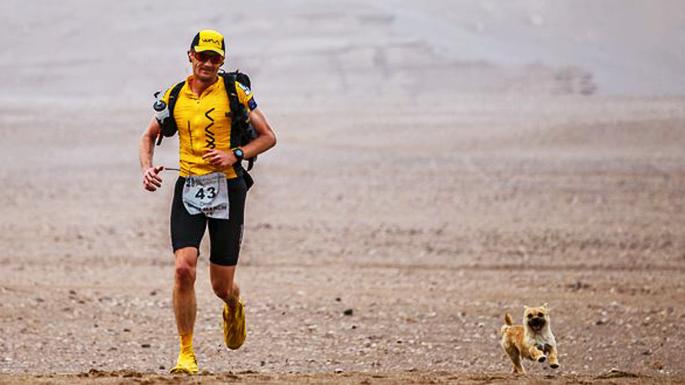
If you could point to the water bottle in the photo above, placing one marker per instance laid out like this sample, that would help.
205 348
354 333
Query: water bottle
161 109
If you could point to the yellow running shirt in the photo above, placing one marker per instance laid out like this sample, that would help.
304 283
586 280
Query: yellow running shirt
203 124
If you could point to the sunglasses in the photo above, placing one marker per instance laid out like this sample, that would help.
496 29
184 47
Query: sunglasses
204 56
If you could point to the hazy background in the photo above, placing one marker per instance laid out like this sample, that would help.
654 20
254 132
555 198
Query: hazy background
119 52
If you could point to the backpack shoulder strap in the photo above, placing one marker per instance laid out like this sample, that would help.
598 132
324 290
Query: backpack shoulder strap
173 96
229 84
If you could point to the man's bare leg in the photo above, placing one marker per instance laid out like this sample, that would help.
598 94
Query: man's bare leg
223 283
224 286
185 307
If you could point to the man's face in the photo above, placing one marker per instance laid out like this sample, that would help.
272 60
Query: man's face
206 64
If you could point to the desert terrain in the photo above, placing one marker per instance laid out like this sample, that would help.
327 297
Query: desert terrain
437 166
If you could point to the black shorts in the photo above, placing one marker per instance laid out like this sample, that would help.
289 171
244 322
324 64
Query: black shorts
225 235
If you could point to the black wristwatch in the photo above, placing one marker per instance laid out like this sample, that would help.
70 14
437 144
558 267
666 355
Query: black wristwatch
239 154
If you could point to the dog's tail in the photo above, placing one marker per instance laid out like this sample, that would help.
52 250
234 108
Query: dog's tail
507 323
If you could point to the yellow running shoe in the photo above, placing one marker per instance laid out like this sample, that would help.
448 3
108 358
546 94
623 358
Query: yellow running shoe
185 364
235 331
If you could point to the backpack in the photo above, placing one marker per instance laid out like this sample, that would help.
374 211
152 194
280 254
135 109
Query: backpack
242 131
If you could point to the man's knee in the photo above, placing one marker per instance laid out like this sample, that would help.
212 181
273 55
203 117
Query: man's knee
227 291
186 260
185 275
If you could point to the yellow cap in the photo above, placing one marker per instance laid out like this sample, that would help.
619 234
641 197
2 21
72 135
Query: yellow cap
208 40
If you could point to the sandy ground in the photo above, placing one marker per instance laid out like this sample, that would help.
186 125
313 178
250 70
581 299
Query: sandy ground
395 223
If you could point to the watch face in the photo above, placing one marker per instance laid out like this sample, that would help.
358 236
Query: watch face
238 152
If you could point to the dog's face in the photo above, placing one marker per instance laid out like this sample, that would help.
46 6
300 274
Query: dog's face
535 318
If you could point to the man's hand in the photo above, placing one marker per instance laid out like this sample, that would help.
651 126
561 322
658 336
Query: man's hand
151 178
220 158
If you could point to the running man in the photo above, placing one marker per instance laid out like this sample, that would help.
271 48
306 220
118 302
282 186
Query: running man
211 187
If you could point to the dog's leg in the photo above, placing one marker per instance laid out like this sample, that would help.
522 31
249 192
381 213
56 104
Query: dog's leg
518 368
537 354
553 360
515 360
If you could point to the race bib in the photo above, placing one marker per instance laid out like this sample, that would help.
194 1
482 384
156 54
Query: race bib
206 194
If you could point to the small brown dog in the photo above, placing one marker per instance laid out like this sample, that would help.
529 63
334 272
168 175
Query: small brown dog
532 340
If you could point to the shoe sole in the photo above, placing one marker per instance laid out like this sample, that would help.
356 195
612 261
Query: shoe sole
182 371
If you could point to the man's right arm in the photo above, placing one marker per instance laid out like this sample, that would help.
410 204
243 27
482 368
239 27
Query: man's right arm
151 178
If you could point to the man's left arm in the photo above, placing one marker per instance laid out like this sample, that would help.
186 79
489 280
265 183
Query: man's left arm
266 137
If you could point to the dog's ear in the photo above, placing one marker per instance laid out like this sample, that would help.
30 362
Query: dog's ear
545 306
525 308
